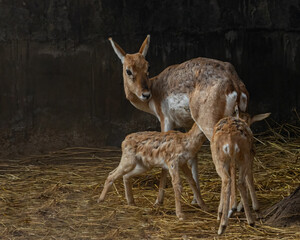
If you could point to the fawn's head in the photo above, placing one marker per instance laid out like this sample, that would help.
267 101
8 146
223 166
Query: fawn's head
248 118
135 70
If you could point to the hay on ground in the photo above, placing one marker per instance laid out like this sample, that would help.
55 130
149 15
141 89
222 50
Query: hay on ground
54 196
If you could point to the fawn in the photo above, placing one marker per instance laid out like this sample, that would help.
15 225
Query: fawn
232 146
170 150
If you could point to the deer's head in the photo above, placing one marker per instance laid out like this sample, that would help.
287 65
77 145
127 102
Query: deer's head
135 70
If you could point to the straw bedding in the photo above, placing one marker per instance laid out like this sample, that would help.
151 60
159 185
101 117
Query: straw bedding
54 196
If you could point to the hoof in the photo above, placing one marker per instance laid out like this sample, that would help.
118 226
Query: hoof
252 224
258 214
240 207
181 216
194 202
221 229
157 203
100 200
231 211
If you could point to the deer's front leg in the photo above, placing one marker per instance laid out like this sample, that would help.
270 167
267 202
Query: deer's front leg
162 185
165 125
188 174
174 172
194 167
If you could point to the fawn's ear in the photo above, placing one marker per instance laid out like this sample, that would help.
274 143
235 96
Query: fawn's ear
118 50
144 48
259 117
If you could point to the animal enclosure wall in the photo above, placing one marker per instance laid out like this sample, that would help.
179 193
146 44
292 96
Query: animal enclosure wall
61 82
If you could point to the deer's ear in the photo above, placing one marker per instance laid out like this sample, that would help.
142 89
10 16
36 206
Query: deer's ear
118 50
144 48
259 117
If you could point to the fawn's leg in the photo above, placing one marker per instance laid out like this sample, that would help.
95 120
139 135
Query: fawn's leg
251 186
138 170
113 176
233 200
243 192
225 196
162 185
250 183
174 172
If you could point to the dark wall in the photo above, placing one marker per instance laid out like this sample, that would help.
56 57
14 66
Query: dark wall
61 83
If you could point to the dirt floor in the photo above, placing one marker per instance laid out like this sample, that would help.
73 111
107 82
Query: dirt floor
54 196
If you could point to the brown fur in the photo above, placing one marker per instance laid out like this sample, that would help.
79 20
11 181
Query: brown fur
205 83
171 150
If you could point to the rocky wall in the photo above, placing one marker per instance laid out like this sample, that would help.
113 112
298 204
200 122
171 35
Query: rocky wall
61 83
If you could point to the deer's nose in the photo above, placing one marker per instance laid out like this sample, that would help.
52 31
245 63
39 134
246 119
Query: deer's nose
146 95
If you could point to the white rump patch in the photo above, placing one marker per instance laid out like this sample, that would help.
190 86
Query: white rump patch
226 148
230 103
236 148
243 102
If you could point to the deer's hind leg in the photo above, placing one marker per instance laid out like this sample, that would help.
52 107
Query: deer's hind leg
233 199
223 172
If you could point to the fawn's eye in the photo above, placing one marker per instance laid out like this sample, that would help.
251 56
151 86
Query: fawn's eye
129 73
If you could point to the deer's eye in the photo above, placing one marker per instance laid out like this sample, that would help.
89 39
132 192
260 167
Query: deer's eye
129 73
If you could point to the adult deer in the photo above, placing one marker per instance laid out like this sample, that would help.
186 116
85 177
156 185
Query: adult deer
201 90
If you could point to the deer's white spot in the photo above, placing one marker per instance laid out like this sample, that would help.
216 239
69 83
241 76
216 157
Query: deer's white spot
236 148
167 124
165 166
226 148
153 109
176 108
230 213
230 103
243 102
